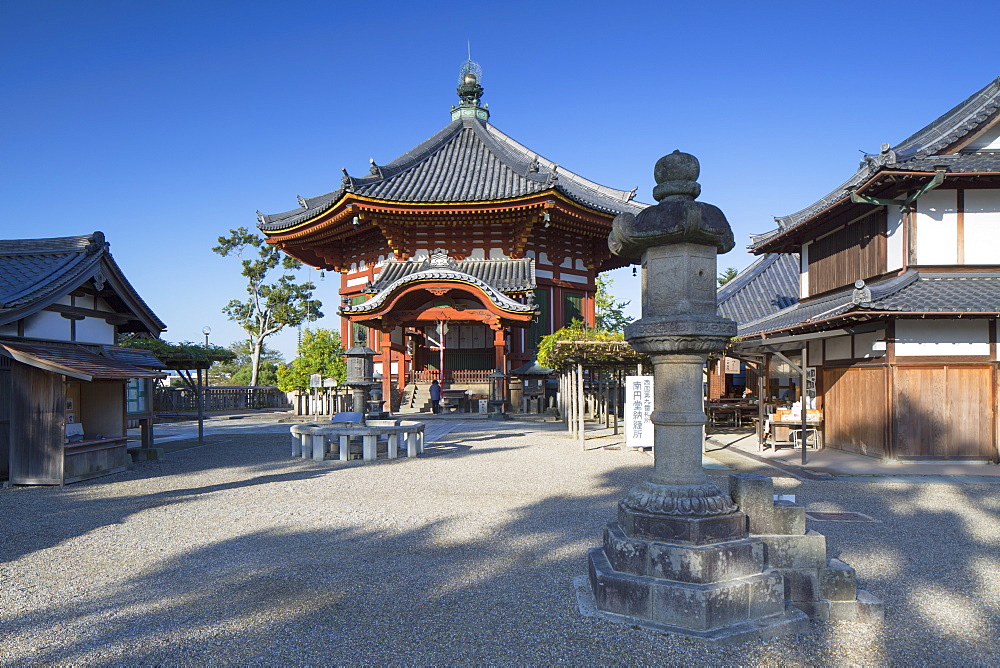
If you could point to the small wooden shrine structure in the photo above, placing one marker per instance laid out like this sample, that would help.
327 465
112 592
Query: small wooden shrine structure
462 253
66 390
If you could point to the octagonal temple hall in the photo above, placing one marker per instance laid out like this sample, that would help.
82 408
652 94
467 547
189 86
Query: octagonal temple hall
458 256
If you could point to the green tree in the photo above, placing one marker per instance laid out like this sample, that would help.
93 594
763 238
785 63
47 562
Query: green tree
240 370
610 314
269 307
320 351
726 276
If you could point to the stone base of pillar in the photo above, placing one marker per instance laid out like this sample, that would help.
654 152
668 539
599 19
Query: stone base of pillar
717 592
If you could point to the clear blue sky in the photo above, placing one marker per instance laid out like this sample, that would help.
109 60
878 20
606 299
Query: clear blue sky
166 124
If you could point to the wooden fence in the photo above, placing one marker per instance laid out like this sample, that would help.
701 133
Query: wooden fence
183 399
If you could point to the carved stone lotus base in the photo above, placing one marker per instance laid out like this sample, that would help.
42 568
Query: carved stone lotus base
695 514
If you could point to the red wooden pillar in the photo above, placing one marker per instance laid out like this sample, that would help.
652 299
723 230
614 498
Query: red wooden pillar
499 347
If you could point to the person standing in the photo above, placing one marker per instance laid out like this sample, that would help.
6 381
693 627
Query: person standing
435 397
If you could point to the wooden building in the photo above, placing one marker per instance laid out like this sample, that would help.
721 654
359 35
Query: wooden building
458 256
898 293
66 389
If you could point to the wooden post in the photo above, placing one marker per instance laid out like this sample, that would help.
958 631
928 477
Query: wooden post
803 401
201 409
582 426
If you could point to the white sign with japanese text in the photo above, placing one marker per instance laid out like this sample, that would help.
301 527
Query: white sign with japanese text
638 406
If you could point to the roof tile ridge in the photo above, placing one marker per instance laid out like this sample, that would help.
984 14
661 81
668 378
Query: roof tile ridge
45 245
501 138
952 121
422 151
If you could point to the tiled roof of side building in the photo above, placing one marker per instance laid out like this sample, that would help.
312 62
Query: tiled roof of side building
910 292
35 273
912 155
768 285
468 161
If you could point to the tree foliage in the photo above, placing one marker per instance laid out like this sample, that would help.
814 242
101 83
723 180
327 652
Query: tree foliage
269 306
181 357
726 276
169 353
610 314
593 347
239 371
320 351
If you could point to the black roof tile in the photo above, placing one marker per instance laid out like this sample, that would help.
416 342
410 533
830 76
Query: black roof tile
467 161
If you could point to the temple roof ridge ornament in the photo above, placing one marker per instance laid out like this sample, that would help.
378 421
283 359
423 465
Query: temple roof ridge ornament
469 93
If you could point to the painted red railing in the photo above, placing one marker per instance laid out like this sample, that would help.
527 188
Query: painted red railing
457 376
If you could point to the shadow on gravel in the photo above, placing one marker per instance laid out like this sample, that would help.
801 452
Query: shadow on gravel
452 590
58 515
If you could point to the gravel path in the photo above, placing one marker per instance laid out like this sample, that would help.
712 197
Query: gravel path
234 554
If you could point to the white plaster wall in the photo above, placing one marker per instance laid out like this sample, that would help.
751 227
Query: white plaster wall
394 368
8 330
567 263
543 273
989 141
477 254
47 325
937 228
982 227
94 330
575 278
838 348
804 270
580 265
357 281
894 239
497 254
916 338
66 301
396 336
864 344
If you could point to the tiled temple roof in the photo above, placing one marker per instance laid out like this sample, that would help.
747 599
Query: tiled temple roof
467 161
507 276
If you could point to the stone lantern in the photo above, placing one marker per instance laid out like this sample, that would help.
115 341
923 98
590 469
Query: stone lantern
360 369
679 558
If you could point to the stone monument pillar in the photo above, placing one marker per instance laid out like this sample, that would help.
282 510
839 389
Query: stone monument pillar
679 558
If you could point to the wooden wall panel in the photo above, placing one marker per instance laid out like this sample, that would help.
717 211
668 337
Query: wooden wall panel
969 430
854 252
37 432
944 412
854 409
919 411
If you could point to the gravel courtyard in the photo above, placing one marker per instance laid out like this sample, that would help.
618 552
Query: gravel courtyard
232 553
